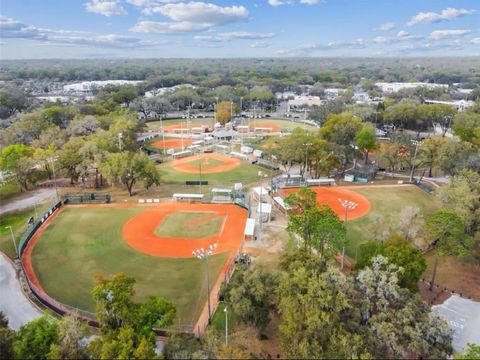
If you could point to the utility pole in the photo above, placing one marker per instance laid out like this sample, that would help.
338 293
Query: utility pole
434 275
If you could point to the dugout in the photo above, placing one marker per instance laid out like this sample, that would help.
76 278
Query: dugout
87 198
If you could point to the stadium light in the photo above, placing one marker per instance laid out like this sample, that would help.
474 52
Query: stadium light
204 254
13 240
348 205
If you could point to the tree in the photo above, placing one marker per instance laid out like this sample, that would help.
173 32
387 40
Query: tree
366 140
471 353
404 114
17 161
6 338
466 125
113 299
401 254
292 149
396 323
225 110
70 158
59 115
82 126
252 296
12 100
462 197
340 130
439 114
35 339
125 95
318 226
126 169
71 332
318 316
123 343
115 307
429 152
448 232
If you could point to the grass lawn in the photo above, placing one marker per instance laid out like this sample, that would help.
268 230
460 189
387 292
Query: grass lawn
190 225
386 203
157 125
7 191
83 242
244 173
18 221
218 319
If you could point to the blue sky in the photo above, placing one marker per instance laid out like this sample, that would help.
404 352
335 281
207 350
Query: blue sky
236 28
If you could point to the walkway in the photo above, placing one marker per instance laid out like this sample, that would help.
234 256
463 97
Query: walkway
13 302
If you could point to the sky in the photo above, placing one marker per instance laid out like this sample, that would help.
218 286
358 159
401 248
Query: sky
72 29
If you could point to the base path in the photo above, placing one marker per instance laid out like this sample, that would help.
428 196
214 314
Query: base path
171 143
139 231
191 164
330 196
13 302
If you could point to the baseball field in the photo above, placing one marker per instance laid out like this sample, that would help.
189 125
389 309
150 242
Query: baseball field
214 168
153 244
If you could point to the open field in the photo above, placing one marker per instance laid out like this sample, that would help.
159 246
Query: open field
82 242
386 204
169 125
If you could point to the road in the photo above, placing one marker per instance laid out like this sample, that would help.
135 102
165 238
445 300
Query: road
13 302
28 199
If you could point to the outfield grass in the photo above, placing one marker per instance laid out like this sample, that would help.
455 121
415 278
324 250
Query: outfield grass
243 173
83 242
190 224
386 203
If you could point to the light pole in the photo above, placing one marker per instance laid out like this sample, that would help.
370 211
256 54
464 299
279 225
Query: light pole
226 325
202 254
348 205
13 239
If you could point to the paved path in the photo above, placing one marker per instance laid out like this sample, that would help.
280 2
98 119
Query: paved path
28 199
13 302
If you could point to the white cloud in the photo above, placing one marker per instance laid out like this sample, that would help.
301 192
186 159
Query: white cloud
475 41
259 45
200 12
445 15
402 35
386 26
189 17
309 2
169 27
105 7
441 34
291 2
10 28
234 35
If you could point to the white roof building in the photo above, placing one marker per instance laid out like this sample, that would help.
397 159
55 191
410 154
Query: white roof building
300 101
394 87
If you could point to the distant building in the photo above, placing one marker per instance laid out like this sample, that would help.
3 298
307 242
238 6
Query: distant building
304 101
287 95
397 86
88 86
460 105
333 93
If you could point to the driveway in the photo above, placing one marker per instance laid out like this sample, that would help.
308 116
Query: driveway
13 302
28 199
